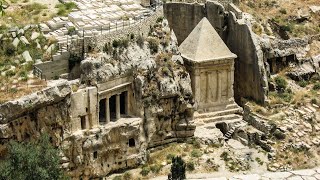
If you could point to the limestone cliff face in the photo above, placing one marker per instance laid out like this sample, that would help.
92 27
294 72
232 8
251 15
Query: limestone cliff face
166 97
43 112
161 85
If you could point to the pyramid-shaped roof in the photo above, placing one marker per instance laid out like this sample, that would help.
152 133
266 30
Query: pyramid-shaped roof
204 44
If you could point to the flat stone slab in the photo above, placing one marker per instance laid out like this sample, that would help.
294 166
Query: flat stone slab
307 172
247 177
277 175
295 178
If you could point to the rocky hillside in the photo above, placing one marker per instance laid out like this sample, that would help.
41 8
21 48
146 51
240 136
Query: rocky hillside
294 18
161 83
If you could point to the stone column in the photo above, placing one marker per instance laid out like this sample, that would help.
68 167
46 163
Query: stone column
232 80
207 86
107 110
118 106
219 85
196 89
127 105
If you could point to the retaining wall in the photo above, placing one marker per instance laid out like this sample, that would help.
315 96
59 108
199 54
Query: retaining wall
140 28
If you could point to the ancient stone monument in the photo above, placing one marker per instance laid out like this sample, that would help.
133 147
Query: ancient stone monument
211 67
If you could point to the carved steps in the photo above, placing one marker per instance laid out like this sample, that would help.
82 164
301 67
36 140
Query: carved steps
231 121
218 113
217 116
238 124
221 118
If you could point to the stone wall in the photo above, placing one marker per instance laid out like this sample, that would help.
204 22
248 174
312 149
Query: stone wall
141 28
250 74
53 69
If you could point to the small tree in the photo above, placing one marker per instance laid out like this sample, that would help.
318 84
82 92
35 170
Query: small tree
178 169
33 160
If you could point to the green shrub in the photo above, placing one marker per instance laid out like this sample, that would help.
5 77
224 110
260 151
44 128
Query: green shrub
190 166
124 42
166 71
145 171
23 75
35 8
10 73
31 160
140 41
70 5
316 86
127 176
281 83
156 168
259 161
153 44
287 27
251 4
178 169
159 19
170 156
9 49
287 97
115 43
283 11
117 178
196 153
314 101
65 8
225 156
71 30
13 90
303 83
195 143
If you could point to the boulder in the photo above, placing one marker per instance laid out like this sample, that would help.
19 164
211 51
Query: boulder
26 56
302 72
315 9
24 40
16 42
50 48
14 34
34 35
21 32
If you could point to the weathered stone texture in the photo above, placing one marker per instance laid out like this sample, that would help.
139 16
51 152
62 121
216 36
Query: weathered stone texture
236 33
250 74
183 17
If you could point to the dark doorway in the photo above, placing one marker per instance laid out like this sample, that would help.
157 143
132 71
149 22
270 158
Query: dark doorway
95 155
102 110
132 143
123 102
83 122
223 127
112 106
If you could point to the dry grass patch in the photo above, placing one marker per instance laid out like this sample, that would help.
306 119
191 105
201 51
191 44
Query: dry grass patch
282 12
21 89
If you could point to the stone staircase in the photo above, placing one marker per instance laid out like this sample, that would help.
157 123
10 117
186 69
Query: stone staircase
234 126
232 112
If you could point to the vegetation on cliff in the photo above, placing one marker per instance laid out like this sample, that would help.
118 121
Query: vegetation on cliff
32 160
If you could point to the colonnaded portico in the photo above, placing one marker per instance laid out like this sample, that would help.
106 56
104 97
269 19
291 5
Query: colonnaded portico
114 103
